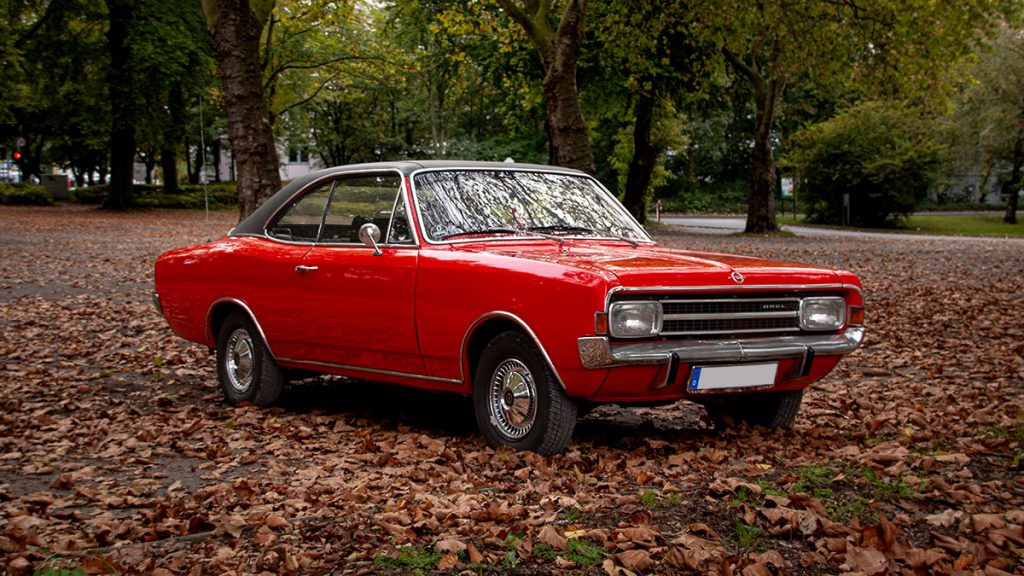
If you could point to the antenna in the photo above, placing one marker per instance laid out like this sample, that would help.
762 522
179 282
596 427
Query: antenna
202 169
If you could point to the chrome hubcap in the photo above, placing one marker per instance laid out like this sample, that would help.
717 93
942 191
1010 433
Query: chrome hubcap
239 360
513 399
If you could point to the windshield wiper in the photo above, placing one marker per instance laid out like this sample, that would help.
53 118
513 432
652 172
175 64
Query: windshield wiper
568 228
513 231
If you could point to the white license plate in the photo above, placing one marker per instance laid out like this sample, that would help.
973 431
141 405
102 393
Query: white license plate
739 376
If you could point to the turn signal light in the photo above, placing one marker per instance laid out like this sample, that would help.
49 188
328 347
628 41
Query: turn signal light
600 323
856 315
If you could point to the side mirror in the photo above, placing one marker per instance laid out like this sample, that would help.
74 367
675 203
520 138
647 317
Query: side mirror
369 234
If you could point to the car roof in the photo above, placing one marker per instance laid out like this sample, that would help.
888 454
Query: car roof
256 222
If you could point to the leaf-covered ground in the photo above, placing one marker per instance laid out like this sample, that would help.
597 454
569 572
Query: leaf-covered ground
117 455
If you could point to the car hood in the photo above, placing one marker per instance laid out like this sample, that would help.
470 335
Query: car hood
649 266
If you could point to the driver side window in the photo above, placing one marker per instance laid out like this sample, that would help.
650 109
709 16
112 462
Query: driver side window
333 211
359 200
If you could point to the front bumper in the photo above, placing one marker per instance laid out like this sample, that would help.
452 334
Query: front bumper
597 351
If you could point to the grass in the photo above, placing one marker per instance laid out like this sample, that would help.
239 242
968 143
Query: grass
414 558
651 500
748 537
942 224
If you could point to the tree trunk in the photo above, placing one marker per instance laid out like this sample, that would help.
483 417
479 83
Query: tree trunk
761 205
768 87
174 133
236 39
122 108
1012 186
169 166
641 166
215 151
150 163
559 50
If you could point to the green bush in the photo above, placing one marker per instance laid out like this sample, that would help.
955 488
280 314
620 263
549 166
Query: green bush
879 154
221 195
24 194
719 197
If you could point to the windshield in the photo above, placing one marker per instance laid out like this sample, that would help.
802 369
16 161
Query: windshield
465 202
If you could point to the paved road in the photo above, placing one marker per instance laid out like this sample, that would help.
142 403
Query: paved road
734 224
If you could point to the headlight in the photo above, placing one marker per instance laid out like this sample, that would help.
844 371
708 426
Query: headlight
634 319
822 313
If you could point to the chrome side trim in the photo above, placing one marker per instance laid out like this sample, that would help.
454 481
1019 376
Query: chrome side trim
597 352
244 306
370 370
522 324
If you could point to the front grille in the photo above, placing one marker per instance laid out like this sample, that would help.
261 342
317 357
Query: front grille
717 316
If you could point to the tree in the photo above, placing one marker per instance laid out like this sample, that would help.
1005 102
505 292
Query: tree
559 51
654 58
988 119
879 46
882 157
236 27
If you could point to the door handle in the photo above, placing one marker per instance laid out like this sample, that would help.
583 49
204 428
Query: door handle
303 269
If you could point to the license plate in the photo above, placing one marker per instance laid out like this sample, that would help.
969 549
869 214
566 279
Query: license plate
739 376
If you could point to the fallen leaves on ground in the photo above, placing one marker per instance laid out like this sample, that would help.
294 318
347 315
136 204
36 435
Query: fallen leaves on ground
117 455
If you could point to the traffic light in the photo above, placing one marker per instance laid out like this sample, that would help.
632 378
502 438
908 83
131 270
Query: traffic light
17 155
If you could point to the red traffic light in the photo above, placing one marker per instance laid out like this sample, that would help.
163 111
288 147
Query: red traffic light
17 155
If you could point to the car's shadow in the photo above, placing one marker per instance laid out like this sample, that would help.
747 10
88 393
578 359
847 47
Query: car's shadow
399 408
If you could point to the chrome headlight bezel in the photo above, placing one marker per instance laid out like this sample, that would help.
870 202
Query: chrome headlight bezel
821 314
635 319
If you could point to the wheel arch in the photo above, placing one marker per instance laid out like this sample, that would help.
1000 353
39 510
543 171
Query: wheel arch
219 312
484 329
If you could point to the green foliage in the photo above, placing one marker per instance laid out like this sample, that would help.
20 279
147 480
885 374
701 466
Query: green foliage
56 566
881 155
221 195
415 558
651 500
717 197
24 194
886 488
584 552
748 537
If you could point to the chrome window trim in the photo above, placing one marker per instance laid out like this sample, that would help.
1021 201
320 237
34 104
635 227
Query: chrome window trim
513 168
370 370
402 189
209 316
510 316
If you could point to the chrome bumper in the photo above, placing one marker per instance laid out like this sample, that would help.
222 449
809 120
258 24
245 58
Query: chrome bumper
597 351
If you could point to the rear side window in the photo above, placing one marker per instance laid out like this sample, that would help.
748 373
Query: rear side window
302 220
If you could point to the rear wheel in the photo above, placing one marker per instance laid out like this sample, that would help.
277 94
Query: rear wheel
518 402
246 371
771 409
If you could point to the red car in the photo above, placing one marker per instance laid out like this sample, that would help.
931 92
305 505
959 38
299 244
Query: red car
529 288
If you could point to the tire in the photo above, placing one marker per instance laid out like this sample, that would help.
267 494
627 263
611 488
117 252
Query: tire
518 402
772 410
246 371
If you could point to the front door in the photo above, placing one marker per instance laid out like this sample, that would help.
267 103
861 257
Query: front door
358 307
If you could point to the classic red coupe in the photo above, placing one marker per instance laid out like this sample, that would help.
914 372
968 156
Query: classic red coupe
529 288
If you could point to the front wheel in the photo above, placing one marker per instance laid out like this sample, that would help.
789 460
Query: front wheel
771 409
246 371
518 402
